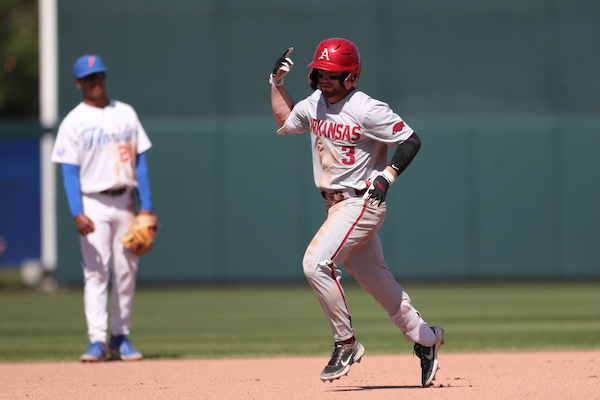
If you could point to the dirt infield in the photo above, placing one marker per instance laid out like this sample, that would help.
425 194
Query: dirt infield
558 375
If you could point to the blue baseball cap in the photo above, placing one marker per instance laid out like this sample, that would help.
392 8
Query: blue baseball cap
87 65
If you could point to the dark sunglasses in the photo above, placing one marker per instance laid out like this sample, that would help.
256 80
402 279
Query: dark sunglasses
331 77
91 77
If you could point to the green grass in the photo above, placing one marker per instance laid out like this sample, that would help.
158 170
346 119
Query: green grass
274 321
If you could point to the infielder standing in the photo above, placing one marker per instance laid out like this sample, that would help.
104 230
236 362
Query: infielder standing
101 145
350 136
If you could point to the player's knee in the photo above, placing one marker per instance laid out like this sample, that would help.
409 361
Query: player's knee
314 269
96 272
125 276
309 267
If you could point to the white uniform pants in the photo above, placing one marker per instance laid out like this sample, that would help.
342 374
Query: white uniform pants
349 236
101 250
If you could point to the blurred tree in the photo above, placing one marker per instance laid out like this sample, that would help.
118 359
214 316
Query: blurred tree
19 57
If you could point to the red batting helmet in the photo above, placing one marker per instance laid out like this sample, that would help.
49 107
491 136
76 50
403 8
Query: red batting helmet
336 55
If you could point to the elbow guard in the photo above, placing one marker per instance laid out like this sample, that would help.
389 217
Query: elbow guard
405 152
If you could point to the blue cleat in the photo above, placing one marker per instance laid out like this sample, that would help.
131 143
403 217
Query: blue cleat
120 346
95 353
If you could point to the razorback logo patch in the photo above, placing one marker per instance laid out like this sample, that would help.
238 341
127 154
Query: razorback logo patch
398 127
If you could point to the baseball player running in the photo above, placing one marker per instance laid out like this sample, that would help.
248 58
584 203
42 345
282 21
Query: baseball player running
350 135
101 147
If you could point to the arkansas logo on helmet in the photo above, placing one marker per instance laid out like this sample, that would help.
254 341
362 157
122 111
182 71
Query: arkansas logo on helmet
336 55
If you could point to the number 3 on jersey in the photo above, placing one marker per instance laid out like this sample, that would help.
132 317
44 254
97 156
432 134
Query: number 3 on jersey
348 155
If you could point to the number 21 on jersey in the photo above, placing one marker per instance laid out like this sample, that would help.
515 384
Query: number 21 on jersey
124 152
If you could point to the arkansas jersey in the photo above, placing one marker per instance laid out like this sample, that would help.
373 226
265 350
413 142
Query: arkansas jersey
349 139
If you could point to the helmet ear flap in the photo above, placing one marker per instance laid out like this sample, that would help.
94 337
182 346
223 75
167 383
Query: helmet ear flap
351 79
343 79
313 79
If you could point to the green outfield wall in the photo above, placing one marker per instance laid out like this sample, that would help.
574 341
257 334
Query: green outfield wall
503 93
486 198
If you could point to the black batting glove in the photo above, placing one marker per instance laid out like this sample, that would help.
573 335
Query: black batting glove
282 68
284 62
377 191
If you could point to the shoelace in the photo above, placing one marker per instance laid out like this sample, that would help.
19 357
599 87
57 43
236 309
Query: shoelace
420 352
335 356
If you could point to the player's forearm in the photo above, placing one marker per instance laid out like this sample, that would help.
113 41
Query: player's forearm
404 154
143 188
281 103
72 188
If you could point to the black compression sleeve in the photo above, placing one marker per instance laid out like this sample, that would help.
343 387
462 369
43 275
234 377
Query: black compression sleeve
405 152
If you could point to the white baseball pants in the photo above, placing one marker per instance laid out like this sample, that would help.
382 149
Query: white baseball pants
102 250
349 237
